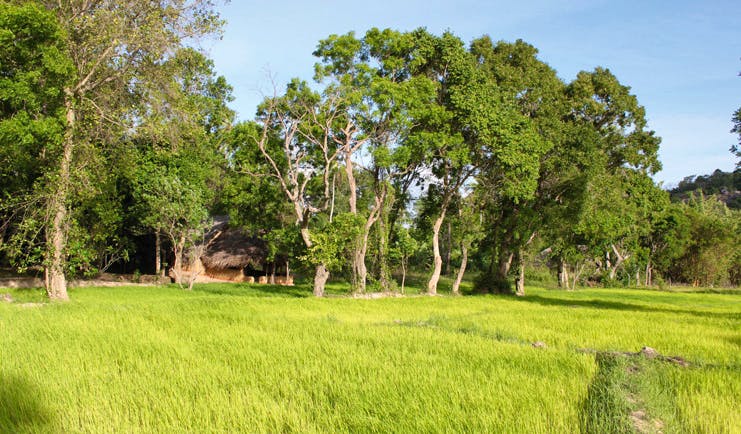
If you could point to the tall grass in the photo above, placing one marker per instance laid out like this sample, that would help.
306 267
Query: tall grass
227 358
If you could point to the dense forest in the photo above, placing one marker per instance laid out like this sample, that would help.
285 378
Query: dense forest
406 152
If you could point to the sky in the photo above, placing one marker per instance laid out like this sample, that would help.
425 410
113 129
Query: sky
681 58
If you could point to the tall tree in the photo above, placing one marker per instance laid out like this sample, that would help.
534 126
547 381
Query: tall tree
301 160
115 47
180 149
531 87
382 95
34 67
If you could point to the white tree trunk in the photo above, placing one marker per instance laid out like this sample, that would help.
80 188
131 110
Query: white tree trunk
461 270
520 283
437 259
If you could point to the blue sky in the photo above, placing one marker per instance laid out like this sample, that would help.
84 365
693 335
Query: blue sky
680 58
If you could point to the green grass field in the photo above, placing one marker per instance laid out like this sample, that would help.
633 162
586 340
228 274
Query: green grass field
226 358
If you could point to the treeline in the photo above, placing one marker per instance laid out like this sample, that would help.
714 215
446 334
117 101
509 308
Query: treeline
408 151
725 185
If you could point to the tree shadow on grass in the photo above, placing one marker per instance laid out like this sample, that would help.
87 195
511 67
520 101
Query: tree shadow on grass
254 290
21 409
615 305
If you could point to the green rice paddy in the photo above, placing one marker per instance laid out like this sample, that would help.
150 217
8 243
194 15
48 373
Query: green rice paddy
248 358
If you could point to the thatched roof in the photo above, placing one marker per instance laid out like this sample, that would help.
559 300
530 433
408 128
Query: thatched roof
228 247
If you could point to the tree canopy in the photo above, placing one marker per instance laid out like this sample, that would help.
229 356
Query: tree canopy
407 152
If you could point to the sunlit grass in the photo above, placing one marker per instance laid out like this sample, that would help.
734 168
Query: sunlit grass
265 359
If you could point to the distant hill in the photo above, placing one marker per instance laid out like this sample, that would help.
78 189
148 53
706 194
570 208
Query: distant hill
725 185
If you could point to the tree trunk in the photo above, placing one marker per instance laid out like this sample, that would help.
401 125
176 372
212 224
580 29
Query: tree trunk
461 270
331 206
320 280
505 263
403 273
177 268
437 259
352 185
306 236
648 274
520 281
448 248
563 275
360 270
157 253
384 277
57 235
618 262
322 273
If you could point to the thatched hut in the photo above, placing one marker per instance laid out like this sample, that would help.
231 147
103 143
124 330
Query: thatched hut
234 255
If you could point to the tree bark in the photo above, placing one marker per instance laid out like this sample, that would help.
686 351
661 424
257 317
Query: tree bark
520 281
403 273
437 259
448 248
384 277
157 253
648 274
320 280
618 262
321 275
461 270
361 271
351 184
563 275
177 268
505 263
57 236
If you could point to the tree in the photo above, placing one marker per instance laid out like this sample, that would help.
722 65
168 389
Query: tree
404 247
507 145
179 151
116 48
382 94
34 67
666 239
736 149
438 137
532 88
467 231
711 252
300 159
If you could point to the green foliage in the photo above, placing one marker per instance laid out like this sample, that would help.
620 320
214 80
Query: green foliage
736 149
332 244
722 184
711 249
34 67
